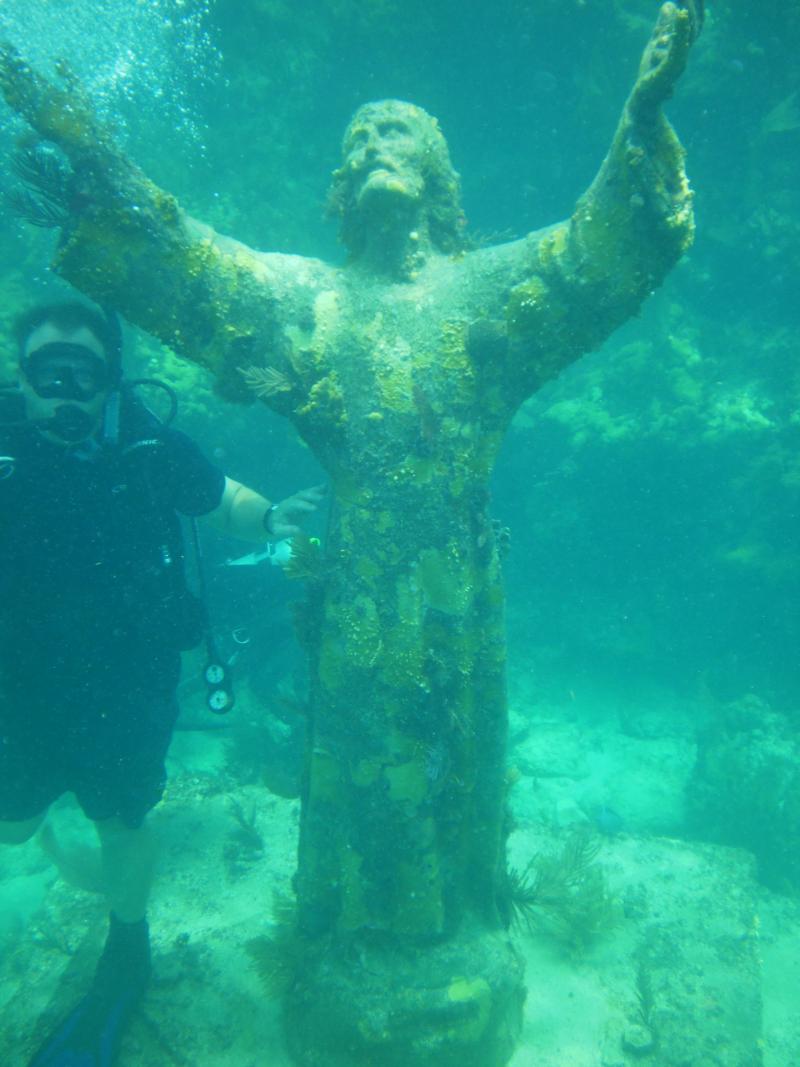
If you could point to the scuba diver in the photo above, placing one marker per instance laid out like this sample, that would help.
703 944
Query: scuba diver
94 611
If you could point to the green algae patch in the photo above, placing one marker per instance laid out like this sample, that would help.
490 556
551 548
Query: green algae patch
553 246
422 468
353 641
529 306
325 775
419 888
408 783
393 369
353 914
408 604
453 346
368 570
366 773
441 578
383 521
477 993
327 318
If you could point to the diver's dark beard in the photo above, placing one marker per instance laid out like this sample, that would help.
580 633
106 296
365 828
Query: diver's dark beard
70 423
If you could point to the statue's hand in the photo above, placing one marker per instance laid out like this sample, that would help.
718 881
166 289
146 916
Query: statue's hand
665 56
62 115
12 67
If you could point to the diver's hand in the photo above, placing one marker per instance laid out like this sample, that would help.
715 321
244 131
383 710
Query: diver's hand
283 518
664 58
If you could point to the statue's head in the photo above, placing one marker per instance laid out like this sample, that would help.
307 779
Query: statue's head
395 158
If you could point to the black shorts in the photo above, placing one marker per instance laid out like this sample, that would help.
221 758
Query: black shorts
103 737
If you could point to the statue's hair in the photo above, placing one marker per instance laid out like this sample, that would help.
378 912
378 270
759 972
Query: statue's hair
442 186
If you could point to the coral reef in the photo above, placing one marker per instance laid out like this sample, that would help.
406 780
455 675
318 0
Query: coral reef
745 789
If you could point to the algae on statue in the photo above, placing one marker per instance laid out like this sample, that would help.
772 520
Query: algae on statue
402 371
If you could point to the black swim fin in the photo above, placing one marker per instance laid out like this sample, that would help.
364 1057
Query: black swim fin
91 1034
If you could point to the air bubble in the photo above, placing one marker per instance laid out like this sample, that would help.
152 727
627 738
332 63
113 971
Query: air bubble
128 54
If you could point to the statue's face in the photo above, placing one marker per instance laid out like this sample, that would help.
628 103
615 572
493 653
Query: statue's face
383 150
396 170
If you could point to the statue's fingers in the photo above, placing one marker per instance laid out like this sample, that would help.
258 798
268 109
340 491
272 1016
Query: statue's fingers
666 17
7 53
653 56
697 14
79 97
672 45
16 79
67 74
681 42
664 59
9 60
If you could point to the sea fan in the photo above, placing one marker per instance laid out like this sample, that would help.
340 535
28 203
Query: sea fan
43 197
278 958
563 894
38 211
265 381
306 561
42 168
523 897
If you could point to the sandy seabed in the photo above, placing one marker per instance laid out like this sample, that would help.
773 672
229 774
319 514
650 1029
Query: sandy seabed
724 952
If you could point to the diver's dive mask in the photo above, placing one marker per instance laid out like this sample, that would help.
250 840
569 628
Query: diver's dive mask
63 371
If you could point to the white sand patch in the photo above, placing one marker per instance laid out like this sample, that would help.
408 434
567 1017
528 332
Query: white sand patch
688 911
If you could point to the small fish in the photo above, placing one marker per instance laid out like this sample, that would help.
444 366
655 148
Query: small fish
277 552
607 821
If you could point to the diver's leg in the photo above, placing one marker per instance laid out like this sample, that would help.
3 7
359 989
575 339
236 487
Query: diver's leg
128 856
118 777
92 1033
16 833
29 779
90 1036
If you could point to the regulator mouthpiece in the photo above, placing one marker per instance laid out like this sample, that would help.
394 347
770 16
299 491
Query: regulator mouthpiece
70 423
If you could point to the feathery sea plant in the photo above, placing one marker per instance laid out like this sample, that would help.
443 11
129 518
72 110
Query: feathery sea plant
34 209
247 835
43 197
563 894
265 381
306 560
278 957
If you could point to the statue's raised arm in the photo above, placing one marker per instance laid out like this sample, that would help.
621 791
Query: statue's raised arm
572 284
127 243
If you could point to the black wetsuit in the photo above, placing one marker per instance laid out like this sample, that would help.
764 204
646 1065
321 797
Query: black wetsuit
94 609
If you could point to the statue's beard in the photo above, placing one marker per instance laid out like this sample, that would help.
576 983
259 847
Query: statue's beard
385 194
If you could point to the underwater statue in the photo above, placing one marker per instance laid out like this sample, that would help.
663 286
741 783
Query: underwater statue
402 370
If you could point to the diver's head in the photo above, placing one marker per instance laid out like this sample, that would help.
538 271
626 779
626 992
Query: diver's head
395 159
69 362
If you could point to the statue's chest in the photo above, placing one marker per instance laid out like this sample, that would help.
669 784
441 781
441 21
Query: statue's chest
401 356
391 387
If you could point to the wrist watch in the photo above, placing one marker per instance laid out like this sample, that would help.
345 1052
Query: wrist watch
267 520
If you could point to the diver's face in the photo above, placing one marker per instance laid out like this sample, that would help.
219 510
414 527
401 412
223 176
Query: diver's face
383 155
66 371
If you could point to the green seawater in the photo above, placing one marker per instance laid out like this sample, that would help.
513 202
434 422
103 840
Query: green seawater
650 494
